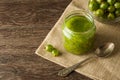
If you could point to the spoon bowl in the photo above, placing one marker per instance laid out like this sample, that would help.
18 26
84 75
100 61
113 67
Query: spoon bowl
103 51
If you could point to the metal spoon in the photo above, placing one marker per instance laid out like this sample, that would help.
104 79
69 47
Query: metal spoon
102 51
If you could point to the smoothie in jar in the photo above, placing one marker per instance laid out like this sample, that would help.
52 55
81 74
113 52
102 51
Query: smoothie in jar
78 32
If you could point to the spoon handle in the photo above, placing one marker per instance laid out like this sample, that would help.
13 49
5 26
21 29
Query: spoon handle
66 71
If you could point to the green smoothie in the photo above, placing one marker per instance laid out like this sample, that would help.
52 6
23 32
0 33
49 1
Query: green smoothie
78 34
78 24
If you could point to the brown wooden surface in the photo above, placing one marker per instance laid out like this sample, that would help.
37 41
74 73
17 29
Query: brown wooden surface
23 26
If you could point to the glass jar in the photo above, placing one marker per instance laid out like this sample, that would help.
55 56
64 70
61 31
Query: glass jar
78 32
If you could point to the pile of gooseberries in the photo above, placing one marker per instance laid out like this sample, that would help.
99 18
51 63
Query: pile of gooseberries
106 9
51 49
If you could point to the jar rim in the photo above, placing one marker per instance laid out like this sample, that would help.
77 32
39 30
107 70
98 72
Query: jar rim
78 13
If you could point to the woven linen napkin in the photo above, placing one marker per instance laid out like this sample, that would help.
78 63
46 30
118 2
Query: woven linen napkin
97 69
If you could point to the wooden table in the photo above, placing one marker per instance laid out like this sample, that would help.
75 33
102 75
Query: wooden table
23 26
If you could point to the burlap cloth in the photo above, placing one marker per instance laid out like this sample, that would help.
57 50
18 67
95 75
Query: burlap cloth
98 69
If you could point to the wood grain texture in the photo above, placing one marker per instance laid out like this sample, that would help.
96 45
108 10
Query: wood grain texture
23 26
